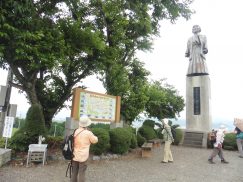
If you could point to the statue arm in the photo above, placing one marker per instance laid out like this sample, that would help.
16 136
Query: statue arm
205 46
187 54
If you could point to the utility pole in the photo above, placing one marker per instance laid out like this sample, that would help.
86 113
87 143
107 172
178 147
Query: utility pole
5 108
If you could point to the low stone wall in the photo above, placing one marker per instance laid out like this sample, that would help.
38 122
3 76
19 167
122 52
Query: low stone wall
5 156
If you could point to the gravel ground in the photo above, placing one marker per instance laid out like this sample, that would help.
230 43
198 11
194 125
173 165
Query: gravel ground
190 165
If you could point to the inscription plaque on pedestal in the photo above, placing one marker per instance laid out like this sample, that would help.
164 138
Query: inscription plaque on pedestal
196 99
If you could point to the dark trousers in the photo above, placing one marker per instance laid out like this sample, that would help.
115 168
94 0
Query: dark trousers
217 151
78 171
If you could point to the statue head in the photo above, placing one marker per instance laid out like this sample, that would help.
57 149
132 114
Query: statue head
196 29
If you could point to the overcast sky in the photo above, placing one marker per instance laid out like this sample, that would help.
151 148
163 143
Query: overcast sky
221 22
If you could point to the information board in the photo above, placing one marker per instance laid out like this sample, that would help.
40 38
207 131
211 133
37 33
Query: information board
97 106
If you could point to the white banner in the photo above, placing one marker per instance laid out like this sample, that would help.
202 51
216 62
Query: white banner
8 127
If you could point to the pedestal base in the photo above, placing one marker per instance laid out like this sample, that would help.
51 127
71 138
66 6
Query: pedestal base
198 103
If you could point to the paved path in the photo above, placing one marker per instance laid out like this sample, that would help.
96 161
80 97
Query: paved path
190 165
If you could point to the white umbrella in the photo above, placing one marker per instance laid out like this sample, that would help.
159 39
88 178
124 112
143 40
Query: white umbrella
238 123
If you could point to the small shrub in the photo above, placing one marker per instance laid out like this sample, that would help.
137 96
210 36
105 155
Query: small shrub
149 122
103 144
159 134
134 142
120 140
131 129
147 132
100 125
178 137
230 141
21 140
140 139
54 142
34 126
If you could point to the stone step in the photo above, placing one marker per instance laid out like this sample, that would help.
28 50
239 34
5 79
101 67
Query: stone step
188 145
193 139
190 142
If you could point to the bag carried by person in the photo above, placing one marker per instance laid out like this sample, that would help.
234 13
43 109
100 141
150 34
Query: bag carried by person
173 132
67 151
212 136
240 135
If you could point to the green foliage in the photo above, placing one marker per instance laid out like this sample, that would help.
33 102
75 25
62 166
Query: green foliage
18 122
21 140
131 86
120 140
34 126
164 101
54 142
2 142
50 49
147 132
173 127
178 138
149 122
123 74
57 128
131 129
103 144
134 142
230 141
100 125
140 139
158 133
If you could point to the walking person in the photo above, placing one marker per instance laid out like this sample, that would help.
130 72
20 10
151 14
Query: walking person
239 141
168 138
218 146
83 138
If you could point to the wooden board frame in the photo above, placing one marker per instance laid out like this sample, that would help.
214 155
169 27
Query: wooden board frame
75 112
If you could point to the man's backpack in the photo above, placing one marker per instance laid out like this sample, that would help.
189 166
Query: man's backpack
67 150
173 132
212 136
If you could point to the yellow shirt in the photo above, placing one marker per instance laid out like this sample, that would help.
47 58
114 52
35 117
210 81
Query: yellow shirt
82 140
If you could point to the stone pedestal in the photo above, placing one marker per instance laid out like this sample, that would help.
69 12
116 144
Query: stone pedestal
198 103
192 138
5 156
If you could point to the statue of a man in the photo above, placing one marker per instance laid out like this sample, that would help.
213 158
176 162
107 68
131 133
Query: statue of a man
196 50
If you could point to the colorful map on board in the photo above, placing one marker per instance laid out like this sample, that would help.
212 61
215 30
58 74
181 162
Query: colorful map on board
97 106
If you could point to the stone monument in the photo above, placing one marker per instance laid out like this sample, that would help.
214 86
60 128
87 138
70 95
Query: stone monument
198 91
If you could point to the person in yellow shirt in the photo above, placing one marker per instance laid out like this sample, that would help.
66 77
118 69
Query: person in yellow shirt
83 138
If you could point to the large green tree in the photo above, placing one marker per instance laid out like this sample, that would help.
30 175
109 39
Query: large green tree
129 26
52 45
47 50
